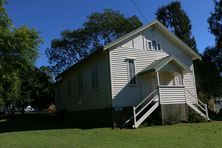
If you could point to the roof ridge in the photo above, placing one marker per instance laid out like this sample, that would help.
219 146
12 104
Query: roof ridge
164 29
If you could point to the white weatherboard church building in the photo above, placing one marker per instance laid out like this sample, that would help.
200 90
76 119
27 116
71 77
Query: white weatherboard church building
131 77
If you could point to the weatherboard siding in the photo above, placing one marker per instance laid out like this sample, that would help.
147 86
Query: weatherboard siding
124 94
90 98
172 95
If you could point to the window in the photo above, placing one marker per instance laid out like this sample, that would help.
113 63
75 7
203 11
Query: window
132 78
80 83
148 45
154 45
178 80
95 79
158 46
69 88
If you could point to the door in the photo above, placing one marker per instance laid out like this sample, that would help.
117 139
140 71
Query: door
146 84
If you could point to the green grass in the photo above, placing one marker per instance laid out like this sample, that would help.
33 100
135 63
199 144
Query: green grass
46 131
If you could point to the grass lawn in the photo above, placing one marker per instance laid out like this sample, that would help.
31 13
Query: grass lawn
46 131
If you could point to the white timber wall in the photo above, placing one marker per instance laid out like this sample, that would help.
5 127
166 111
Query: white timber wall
90 98
172 95
124 94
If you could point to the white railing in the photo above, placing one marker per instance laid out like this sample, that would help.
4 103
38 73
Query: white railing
166 95
196 104
138 117
146 99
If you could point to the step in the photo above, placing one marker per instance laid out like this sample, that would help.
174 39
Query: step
197 110
137 124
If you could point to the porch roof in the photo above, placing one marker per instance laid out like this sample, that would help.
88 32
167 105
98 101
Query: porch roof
159 64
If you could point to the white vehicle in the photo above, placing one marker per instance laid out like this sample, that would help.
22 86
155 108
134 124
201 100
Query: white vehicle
30 109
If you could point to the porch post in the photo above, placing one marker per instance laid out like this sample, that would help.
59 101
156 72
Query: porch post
158 89
158 85
182 78
158 78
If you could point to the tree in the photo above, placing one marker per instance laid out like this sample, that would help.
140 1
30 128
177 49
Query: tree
99 29
18 52
36 88
175 19
209 82
215 27
215 22
210 69
10 88
45 95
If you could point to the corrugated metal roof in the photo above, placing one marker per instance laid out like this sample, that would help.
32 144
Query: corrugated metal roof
159 64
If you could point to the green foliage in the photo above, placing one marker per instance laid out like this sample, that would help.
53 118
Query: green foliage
209 81
215 27
207 75
10 87
44 95
5 22
18 48
99 29
215 23
18 52
175 19
36 88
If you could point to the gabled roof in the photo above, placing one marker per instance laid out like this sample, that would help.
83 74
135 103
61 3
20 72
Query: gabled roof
159 64
162 28
75 65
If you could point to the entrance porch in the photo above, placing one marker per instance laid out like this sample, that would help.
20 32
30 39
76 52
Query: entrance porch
166 75
167 90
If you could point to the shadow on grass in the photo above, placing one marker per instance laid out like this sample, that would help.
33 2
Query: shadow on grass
39 121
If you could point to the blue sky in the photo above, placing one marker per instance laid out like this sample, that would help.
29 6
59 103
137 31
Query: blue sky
50 17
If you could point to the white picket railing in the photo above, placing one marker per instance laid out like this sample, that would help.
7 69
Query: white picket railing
196 104
138 117
166 95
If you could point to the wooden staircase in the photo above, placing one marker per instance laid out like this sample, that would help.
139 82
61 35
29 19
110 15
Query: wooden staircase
197 105
144 109
147 106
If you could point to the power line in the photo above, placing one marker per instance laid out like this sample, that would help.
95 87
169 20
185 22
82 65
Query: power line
134 4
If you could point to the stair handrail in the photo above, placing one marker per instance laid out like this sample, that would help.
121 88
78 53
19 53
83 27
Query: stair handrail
137 113
135 107
150 94
203 107
195 97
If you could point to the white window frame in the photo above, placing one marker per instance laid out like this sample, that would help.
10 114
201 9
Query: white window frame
154 46
178 79
159 46
151 46
148 44
132 72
